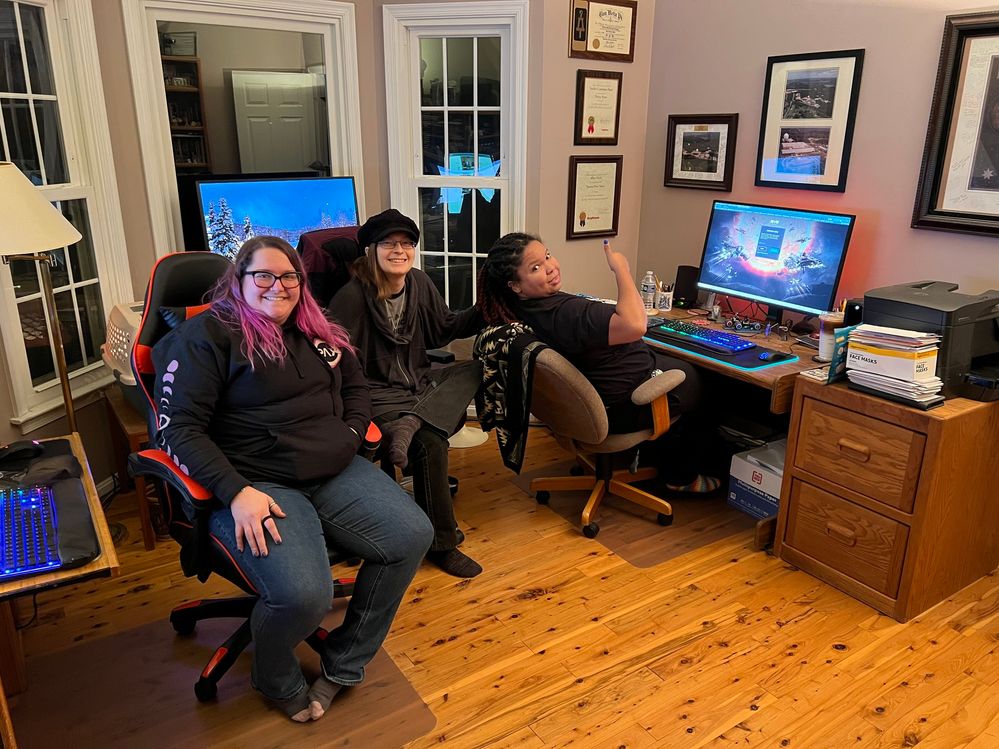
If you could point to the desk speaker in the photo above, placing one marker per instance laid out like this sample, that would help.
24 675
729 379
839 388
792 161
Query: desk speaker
685 290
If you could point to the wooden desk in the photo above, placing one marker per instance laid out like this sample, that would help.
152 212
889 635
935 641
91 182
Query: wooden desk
104 565
779 380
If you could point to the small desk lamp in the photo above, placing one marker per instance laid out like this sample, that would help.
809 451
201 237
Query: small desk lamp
30 224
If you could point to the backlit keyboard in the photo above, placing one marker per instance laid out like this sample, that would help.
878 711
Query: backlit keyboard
678 331
28 531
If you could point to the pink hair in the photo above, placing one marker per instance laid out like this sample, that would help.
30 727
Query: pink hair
262 336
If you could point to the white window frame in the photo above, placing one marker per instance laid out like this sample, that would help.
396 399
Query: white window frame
334 20
403 26
76 71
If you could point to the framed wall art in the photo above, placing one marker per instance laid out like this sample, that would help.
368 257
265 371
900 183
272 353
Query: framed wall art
958 187
806 130
700 151
594 196
603 30
598 108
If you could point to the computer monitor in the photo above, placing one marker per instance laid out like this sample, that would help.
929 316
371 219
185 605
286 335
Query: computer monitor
232 211
782 257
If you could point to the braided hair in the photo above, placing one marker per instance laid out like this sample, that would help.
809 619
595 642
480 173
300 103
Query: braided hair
496 298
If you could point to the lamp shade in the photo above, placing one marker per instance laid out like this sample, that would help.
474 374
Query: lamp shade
29 223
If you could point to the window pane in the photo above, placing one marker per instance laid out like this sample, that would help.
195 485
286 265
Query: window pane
433 142
88 301
82 259
11 65
37 49
70 334
460 72
41 365
487 219
21 138
58 269
461 143
431 220
24 274
432 72
433 266
459 273
489 71
459 220
489 144
50 134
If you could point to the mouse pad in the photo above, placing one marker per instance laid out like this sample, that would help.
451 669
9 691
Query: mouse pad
748 359
631 531
135 689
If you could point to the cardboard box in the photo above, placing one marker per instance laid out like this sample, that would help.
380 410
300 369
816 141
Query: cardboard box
904 365
754 480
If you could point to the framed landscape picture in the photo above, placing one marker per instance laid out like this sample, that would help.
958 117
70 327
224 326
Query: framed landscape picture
700 151
958 187
598 107
806 130
594 196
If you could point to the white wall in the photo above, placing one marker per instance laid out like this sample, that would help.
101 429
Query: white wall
711 56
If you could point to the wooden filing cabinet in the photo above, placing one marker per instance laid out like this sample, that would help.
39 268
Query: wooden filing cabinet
897 507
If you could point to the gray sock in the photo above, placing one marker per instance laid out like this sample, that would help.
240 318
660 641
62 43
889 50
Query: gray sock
321 694
400 434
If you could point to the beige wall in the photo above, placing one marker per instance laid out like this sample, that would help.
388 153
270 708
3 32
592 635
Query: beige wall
711 56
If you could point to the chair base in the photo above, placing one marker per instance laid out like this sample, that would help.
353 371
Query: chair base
601 479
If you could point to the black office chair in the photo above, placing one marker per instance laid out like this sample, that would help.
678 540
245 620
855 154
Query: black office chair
177 286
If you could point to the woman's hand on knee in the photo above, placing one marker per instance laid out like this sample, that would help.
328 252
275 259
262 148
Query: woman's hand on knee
253 511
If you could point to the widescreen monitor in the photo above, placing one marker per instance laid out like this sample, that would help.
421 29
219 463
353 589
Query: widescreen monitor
782 257
234 210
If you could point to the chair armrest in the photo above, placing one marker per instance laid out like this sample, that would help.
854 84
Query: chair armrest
158 464
439 356
655 387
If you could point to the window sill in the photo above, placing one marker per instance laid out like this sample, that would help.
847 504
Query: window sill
54 409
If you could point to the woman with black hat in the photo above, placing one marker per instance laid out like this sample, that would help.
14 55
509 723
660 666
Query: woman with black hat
394 314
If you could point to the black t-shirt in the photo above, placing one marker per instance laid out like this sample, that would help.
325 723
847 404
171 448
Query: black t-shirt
578 328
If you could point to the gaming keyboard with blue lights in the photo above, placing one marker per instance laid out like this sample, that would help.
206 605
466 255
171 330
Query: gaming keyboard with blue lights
28 531
678 331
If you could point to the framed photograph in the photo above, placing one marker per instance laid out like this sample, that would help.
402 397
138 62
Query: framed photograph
598 107
806 130
603 30
700 151
958 187
594 196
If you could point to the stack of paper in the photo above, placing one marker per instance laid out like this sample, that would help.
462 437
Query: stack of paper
900 363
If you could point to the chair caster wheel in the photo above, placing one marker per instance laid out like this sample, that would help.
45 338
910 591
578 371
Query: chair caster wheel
452 485
576 470
591 530
205 691
664 519
542 497
183 626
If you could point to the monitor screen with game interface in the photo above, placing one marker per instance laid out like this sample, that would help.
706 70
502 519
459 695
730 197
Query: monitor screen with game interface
234 210
782 257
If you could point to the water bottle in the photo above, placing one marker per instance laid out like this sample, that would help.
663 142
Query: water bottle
648 289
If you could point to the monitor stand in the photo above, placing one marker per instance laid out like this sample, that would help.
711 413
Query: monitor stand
775 314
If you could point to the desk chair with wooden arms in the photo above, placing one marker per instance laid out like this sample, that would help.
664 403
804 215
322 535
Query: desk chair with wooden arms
565 401
177 286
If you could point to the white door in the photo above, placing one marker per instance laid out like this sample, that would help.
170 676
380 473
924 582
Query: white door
275 120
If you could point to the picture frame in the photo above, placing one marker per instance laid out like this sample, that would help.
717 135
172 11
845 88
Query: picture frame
806 129
594 196
958 187
179 43
603 29
598 107
700 151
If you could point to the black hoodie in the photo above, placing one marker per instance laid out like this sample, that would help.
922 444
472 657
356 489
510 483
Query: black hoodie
295 423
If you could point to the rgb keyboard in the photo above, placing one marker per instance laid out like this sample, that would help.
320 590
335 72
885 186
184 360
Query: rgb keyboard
678 331
28 531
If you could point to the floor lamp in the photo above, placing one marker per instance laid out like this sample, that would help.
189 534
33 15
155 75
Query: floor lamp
30 224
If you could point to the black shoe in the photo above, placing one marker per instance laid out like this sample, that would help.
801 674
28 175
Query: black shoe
455 563
461 536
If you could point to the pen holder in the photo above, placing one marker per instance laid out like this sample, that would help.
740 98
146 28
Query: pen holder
664 301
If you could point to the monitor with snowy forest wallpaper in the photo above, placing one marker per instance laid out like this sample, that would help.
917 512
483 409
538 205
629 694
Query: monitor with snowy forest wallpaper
234 210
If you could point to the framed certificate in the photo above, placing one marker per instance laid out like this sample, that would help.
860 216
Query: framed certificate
594 196
603 30
598 107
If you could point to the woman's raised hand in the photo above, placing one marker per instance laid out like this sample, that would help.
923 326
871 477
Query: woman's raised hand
251 511
617 262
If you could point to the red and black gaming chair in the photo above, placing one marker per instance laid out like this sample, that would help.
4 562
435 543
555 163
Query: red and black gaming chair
177 286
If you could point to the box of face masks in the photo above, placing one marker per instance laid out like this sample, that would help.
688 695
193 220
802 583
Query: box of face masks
755 478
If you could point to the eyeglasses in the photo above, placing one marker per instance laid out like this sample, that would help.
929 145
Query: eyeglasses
264 280
388 244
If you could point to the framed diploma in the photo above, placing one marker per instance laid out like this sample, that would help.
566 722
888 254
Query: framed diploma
598 107
594 196
603 30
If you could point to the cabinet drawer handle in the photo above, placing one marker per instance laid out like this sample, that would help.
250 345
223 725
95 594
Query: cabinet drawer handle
841 533
858 451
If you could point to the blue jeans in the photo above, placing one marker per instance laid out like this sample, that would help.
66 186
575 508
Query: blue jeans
361 513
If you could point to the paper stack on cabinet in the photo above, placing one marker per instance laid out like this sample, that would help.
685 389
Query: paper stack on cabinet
898 363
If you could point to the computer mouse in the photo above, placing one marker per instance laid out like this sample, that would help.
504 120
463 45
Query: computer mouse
774 356
20 450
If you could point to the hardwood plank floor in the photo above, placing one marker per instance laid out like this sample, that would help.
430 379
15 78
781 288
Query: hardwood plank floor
562 643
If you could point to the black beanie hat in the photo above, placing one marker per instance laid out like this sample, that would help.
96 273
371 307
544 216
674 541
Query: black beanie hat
381 225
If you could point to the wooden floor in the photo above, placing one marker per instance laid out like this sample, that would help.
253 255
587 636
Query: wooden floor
562 643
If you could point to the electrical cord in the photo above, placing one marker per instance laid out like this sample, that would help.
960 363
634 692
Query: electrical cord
34 614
